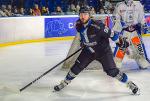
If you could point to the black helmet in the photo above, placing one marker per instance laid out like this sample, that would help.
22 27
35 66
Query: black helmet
85 9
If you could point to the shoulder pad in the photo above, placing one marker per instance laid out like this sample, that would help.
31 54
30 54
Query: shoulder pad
96 22
78 25
137 3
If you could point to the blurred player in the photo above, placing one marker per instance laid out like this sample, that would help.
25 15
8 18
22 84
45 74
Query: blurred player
130 23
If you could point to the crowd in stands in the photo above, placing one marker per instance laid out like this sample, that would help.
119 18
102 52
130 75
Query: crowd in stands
53 7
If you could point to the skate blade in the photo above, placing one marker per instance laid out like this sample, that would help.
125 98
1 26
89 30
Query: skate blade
54 91
137 93
143 68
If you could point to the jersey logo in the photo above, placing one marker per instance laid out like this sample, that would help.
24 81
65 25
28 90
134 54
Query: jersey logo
106 30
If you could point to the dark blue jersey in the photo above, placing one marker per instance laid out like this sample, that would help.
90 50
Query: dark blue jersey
95 31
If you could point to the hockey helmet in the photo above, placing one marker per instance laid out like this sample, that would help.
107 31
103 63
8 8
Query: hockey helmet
85 9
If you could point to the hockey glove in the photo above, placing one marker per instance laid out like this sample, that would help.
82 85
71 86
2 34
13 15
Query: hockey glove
123 43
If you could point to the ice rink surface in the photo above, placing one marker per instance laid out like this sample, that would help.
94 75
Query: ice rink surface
21 64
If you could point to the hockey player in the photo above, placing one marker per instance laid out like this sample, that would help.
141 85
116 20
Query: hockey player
95 36
130 23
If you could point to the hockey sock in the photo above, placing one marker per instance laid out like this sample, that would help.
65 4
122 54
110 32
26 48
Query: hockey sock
70 76
122 77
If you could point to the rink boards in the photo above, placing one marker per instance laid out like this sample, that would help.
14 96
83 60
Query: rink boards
33 29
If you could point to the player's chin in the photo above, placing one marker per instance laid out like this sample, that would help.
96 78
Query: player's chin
84 21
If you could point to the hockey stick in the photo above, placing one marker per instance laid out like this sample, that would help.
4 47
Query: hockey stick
50 69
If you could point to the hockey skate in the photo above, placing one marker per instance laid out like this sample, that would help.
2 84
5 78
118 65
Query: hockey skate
141 68
133 87
143 63
62 84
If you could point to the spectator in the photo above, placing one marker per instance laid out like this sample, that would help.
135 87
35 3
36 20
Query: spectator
36 10
30 13
16 12
48 11
108 5
2 14
93 11
22 11
9 9
5 10
45 10
101 11
72 9
59 11
77 8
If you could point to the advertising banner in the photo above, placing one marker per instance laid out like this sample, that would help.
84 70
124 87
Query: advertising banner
64 26
60 27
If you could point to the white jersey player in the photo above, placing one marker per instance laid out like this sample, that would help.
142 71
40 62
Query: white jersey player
129 23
